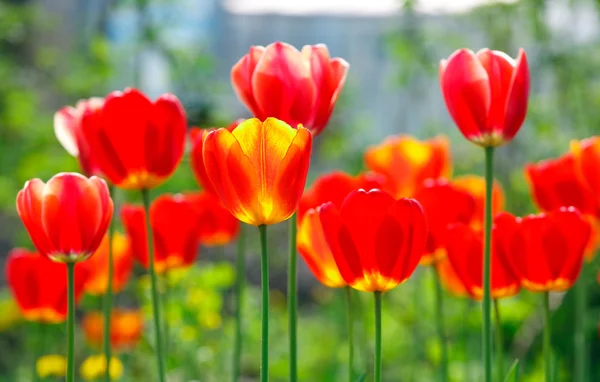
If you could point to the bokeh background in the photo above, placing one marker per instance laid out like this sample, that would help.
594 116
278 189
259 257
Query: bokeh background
54 52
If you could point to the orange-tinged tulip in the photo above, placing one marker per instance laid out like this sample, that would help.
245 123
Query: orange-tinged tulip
125 328
67 217
97 265
67 127
555 183
407 162
464 248
376 241
217 225
545 251
295 87
475 185
587 164
197 136
450 279
259 170
136 143
486 94
311 243
39 285
444 204
175 228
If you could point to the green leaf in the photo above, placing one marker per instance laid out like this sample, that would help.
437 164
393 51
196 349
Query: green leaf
362 377
513 372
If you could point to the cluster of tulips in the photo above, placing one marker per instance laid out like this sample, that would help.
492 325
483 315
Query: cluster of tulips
368 232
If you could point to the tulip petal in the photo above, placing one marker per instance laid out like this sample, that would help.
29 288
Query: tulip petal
499 67
29 207
518 96
241 79
64 129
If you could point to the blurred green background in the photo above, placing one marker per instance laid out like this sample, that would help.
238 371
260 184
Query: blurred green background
54 52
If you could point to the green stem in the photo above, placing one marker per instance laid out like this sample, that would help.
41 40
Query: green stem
547 338
107 305
580 353
350 334
165 306
499 341
264 264
293 300
487 300
239 298
70 322
439 305
153 282
39 346
377 336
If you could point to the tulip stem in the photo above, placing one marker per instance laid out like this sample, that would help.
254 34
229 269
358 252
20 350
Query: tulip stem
547 338
239 298
487 300
107 305
70 322
499 341
165 306
154 286
580 313
292 300
350 335
439 305
39 345
264 264
377 336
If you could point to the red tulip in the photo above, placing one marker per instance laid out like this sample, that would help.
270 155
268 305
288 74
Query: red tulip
67 217
67 127
450 279
311 243
475 185
197 161
136 143
545 251
217 226
296 87
486 94
444 204
376 241
125 328
175 228
97 265
587 163
464 247
407 162
39 285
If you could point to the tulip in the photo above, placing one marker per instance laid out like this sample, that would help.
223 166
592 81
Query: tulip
258 170
94 367
587 159
475 185
197 161
449 278
444 204
39 286
377 243
67 127
296 87
125 328
175 228
407 162
136 143
97 265
217 226
486 94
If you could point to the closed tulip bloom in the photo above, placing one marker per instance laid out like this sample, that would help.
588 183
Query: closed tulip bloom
376 241
444 204
555 183
450 280
125 328
66 217
137 143
217 225
175 228
486 94
259 170
475 185
39 285
97 283
546 251
197 136
295 87
310 239
464 248
67 127
407 162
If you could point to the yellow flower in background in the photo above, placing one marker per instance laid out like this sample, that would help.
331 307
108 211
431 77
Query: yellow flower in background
52 365
210 320
10 312
94 366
